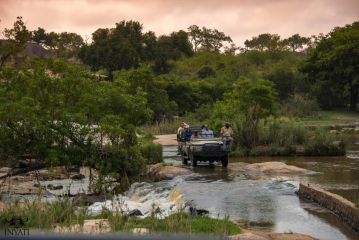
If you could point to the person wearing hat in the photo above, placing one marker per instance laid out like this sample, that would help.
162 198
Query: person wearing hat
186 134
179 132
227 135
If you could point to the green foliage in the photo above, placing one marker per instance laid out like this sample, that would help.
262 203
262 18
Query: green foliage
321 143
177 223
58 113
158 99
15 41
264 41
331 66
206 39
296 42
35 214
299 106
152 153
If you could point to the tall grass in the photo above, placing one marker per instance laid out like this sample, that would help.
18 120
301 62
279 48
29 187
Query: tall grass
63 213
169 126
35 214
176 223
152 153
322 143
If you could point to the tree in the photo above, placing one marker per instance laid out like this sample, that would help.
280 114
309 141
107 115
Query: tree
335 62
171 47
57 113
296 42
207 39
15 41
265 41
157 97
122 47
246 105
195 35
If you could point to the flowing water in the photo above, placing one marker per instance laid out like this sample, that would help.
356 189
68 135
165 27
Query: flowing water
270 204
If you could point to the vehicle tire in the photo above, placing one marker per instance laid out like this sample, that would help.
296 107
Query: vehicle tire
184 159
224 161
193 160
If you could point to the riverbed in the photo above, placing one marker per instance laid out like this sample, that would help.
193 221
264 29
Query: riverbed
270 203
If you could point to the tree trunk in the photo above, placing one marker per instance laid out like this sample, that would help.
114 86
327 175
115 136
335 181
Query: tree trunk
353 99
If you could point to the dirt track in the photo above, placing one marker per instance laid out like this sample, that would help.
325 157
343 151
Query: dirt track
166 140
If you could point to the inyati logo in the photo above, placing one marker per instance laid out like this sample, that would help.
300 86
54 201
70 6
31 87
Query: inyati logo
14 226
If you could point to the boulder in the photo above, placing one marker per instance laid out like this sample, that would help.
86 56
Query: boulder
78 176
81 199
161 171
52 187
257 235
20 188
4 171
268 168
134 212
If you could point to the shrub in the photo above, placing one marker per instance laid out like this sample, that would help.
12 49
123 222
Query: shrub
35 214
152 153
282 134
300 106
206 71
322 143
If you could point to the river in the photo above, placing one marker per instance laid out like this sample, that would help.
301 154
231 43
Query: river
271 204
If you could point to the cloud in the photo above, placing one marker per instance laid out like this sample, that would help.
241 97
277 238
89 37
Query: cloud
241 19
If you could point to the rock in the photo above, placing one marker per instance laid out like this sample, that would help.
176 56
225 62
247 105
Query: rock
257 235
198 212
52 187
140 231
78 176
93 226
337 143
26 163
268 168
20 188
73 169
160 171
81 199
134 212
4 171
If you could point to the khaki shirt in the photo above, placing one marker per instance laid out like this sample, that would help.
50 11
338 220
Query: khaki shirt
179 130
226 132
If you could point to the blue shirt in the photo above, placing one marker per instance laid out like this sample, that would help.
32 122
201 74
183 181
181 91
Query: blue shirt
186 134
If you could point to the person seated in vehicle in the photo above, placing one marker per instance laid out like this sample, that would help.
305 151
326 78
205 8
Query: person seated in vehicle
206 132
186 134
227 135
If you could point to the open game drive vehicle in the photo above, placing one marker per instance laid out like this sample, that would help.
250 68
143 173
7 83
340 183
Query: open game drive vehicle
205 150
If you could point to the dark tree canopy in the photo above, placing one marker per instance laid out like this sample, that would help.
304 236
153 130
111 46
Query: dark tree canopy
15 41
296 42
334 64
265 41
207 39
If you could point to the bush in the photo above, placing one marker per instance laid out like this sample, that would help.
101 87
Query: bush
35 214
152 153
282 134
176 223
300 106
322 143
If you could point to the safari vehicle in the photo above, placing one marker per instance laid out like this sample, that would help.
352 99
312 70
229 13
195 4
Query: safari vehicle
204 150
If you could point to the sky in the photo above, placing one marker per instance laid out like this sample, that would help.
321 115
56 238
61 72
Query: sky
240 19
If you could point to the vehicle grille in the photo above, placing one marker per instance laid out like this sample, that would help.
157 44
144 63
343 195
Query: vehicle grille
211 147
